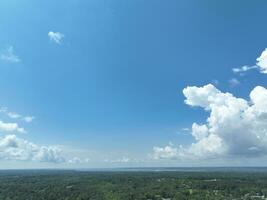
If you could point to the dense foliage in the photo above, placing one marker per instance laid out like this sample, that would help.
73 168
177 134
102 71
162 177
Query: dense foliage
73 185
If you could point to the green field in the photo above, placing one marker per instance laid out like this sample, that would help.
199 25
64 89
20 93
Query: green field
127 185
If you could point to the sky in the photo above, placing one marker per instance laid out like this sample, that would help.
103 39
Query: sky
112 83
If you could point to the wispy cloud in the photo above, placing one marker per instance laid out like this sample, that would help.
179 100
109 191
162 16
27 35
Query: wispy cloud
233 82
215 81
186 129
119 160
77 160
14 115
239 70
9 55
3 109
56 37
28 118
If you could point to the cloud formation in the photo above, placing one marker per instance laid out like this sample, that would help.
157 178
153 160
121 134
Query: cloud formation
235 127
9 55
233 82
244 69
56 37
168 152
77 160
14 148
14 115
28 118
11 127
119 160
261 64
17 149
262 61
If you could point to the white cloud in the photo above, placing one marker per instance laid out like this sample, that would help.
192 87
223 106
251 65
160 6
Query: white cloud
235 127
120 160
28 118
262 61
233 82
124 160
168 152
3 109
185 129
13 148
244 69
56 37
77 160
18 149
215 81
13 115
11 127
261 64
9 55
199 131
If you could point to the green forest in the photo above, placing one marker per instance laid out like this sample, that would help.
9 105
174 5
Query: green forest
143 185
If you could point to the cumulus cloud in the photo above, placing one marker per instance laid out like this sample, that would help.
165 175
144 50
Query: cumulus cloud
18 149
56 37
11 127
199 131
235 126
9 55
262 61
168 152
14 148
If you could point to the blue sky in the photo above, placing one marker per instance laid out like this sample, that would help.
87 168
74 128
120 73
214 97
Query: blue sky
106 85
